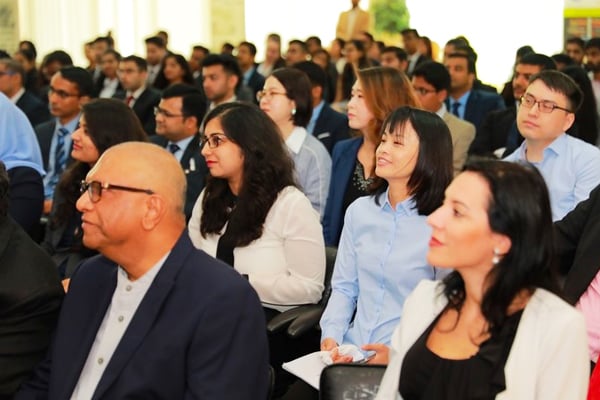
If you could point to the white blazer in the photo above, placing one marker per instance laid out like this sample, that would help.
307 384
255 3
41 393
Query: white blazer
548 359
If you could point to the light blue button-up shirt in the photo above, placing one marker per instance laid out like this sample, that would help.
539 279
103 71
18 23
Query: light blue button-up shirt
571 169
381 258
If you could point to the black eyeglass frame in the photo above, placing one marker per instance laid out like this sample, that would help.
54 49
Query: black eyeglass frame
89 187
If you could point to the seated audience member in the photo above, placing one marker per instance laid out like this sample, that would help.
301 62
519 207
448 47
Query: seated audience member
376 92
251 78
31 297
108 82
494 327
576 242
141 98
103 124
26 57
150 317
287 100
222 80
326 124
174 69
586 125
356 59
12 83
570 167
431 81
394 57
252 216
51 64
178 118
20 153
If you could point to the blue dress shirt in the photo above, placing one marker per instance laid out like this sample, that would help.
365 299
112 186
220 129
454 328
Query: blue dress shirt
571 169
381 259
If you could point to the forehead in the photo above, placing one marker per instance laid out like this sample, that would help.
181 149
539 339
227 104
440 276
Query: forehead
471 189
542 92
527 69
456 62
216 69
213 126
172 103
58 81
273 82
129 65
420 80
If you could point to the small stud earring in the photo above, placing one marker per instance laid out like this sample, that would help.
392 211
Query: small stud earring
293 111
496 258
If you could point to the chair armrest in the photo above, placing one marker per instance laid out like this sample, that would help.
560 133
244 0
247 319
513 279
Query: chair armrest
281 321
307 320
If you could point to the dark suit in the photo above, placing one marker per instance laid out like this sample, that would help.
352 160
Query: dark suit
331 127
576 239
31 296
479 105
44 133
199 332
195 169
99 85
144 108
256 82
26 197
35 110
494 132
343 162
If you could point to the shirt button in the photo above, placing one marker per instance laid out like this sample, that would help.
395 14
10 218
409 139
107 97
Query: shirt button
121 318
128 288
100 361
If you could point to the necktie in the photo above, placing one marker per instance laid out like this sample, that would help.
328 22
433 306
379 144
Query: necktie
455 107
129 100
173 148
60 155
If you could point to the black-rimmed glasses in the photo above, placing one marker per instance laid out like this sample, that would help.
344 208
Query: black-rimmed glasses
544 106
95 188
214 140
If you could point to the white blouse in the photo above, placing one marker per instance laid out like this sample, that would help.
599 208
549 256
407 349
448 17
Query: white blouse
286 265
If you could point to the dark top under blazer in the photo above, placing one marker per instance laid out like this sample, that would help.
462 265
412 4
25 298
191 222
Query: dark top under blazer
494 131
196 179
199 333
343 162
35 110
144 108
576 242
331 127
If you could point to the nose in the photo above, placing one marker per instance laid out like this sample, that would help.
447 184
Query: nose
436 218
205 149
84 203
76 135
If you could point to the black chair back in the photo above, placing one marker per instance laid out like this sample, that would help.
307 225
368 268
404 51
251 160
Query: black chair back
350 381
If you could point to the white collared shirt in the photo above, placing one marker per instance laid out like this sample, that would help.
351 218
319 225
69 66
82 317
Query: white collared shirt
17 95
135 95
126 298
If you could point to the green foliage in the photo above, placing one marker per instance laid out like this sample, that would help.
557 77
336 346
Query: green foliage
391 16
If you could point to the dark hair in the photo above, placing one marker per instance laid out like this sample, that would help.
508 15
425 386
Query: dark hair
251 47
298 88
399 52
409 31
315 39
27 54
114 53
15 67
593 43
4 190
341 42
433 170
162 82
523 50
435 74
228 62
59 56
300 43
268 168
369 36
193 102
227 48
201 48
4 54
108 122
561 83
540 60
427 42
349 73
140 62
110 42
274 37
561 58
80 77
157 41
586 122
315 73
30 47
525 217
577 41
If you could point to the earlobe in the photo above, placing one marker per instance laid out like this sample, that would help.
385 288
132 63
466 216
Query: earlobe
154 210
569 121
502 244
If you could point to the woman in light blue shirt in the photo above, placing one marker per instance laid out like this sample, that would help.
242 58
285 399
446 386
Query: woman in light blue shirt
382 251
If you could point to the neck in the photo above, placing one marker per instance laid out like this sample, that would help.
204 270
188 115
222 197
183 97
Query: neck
535 150
458 93
397 192
286 129
66 120
234 186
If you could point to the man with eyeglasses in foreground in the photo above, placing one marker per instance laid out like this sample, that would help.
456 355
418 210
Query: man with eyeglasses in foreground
570 167
70 88
151 316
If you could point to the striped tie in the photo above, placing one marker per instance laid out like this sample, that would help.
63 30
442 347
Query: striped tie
60 155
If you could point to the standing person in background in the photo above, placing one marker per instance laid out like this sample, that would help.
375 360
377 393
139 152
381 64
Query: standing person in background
495 326
353 160
286 99
352 22
156 50
273 58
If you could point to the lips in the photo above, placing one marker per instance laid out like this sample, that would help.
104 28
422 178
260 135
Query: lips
210 163
433 242
382 162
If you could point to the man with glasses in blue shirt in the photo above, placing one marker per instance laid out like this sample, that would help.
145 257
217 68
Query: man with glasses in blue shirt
570 167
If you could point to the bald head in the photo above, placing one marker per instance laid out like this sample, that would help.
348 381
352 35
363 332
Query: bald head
149 165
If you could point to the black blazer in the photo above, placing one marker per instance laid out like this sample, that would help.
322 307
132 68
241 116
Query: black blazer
195 169
199 332
479 105
35 110
44 133
256 82
331 127
31 297
576 241
494 131
144 108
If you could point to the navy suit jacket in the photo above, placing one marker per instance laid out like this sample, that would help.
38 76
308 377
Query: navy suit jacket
199 333
494 132
194 166
331 127
144 108
343 162
479 105
576 242
44 133
35 110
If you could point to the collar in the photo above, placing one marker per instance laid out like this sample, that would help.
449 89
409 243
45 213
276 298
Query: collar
313 118
442 111
230 100
406 207
136 93
248 74
462 99
557 147
71 125
296 138
183 143
18 95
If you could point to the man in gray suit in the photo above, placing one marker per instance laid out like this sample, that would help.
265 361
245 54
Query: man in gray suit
431 81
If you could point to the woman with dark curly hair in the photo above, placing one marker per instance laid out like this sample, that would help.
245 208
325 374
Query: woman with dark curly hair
103 123
174 69
251 213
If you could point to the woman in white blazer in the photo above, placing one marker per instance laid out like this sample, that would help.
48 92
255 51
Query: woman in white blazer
492 329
